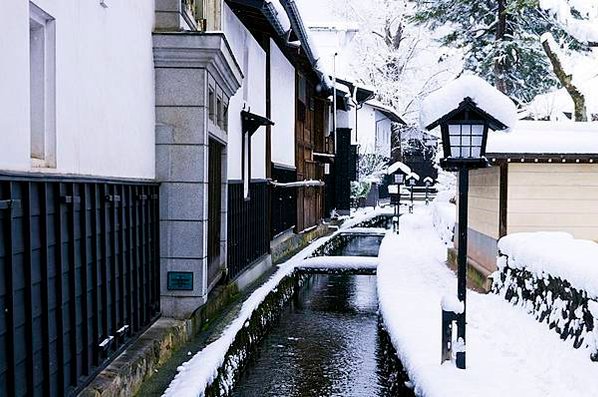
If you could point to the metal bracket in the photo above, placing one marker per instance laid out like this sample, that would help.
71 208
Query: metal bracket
105 344
9 204
122 330
70 199
449 319
112 198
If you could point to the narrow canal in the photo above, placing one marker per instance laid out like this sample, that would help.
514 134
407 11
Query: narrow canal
328 341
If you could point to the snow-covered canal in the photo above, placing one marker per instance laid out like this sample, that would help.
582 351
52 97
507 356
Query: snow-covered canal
328 341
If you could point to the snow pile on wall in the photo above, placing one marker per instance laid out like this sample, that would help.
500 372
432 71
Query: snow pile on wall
554 277
489 99
545 137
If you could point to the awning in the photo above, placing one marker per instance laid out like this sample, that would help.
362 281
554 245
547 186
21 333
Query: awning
251 122
324 157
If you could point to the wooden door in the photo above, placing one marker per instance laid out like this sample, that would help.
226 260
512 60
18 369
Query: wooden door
214 208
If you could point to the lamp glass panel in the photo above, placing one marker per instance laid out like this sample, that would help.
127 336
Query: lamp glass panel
466 140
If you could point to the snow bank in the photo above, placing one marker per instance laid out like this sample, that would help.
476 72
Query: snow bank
508 352
444 215
545 137
555 253
445 100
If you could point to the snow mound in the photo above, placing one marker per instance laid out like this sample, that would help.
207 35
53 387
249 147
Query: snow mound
489 99
555 253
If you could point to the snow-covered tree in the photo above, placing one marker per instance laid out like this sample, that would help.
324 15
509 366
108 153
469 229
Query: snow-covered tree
501 39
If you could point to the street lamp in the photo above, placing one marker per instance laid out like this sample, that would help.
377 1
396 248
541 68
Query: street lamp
412 179
428 182
395 191
464 133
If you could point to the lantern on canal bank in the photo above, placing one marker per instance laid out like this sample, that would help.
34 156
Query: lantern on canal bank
428 182
464 110
412 179
398 171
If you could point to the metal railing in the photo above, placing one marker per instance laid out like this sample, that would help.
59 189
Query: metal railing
79 277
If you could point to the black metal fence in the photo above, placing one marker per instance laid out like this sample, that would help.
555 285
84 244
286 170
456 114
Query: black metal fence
283 201
79 277
248 225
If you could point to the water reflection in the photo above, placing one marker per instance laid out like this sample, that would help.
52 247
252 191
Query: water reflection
326 344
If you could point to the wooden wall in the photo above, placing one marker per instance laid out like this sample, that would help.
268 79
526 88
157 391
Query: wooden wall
561 197
483 219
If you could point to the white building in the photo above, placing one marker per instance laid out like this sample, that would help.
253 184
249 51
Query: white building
78 198
63 111
374 128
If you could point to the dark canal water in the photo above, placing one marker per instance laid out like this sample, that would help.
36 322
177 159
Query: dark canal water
328 342
358 246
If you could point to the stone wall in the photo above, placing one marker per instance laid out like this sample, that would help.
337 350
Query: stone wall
567 310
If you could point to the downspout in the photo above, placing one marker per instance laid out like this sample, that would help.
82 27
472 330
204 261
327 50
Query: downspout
299 28
334 99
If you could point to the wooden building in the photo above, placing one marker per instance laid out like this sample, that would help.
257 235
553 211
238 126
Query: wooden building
544 177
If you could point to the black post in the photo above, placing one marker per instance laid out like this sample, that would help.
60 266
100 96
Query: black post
399 209
411 208
462 260
426 194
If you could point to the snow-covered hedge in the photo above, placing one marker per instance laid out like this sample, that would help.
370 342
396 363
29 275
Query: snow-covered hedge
555 278
444 214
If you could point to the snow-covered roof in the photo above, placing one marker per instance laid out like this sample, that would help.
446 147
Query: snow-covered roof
487 98
555 104
394 167
413 175
545 137
280 15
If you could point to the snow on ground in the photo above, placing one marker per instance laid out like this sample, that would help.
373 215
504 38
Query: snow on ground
196 374
444 215
438 104
554 253
508 352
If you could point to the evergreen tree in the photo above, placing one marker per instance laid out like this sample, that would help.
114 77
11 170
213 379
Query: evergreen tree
501 40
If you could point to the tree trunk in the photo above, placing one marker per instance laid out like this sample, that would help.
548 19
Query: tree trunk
579 101
501 30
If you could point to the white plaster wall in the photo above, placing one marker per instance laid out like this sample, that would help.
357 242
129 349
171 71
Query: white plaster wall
104 87
252 94
383 131
282 74
366 129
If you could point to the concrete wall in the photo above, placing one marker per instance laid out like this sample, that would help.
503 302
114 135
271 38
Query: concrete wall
104 95
282 74
550 197
251 96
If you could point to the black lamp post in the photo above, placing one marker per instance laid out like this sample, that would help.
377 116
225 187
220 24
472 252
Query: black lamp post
464 135
427 182
411 181
398 179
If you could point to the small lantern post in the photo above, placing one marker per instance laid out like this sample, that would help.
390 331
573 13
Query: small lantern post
428 182
399 177
464 136
412 179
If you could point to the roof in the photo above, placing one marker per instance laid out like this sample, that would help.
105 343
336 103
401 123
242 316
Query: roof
540 139
385 110
361 92
394 167
442 104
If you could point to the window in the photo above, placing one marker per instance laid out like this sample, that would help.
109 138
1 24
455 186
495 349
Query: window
225 116
219 112
42 87
211 104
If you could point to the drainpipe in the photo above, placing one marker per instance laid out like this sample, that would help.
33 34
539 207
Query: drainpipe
334 99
